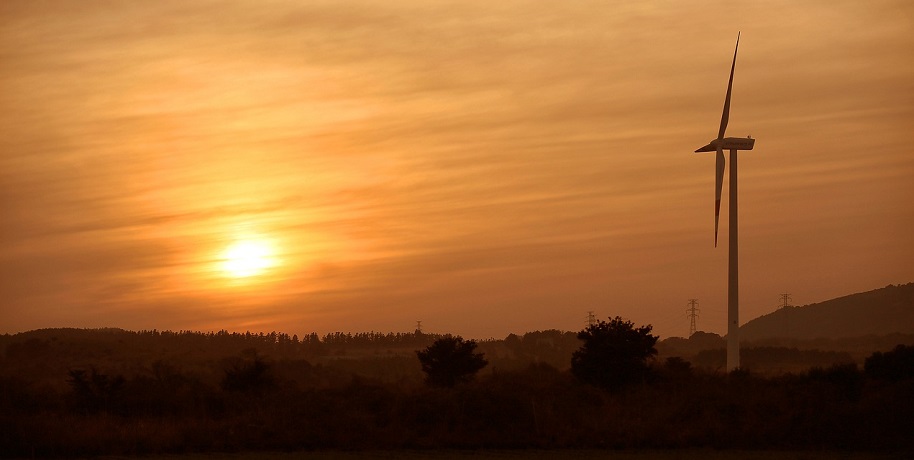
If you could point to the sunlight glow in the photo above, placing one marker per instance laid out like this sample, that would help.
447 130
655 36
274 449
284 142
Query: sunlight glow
247 258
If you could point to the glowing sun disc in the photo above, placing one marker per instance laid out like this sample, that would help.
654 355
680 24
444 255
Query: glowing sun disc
247 258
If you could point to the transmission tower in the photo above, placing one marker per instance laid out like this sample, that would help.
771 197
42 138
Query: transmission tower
692 311
785 302
418 327
591 318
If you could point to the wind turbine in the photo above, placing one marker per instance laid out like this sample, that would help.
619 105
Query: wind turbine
733 144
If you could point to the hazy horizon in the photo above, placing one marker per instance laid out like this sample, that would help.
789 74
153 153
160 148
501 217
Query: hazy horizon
425 330
486 169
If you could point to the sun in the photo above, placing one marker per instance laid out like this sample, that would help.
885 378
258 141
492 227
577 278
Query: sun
247 258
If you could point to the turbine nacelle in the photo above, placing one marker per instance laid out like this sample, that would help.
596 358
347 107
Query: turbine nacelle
729 143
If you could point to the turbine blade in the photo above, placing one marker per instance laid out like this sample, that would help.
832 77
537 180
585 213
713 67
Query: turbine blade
719 185
725 118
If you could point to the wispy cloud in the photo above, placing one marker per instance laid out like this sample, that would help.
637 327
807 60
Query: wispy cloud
487 167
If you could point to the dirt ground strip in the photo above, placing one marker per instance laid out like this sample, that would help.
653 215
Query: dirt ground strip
545 455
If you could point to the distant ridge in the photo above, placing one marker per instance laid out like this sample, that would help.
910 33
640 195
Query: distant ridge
882 311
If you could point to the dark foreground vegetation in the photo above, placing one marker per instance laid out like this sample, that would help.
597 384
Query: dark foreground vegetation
130 393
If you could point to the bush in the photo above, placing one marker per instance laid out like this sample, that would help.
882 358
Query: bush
894 365
450 360
614 353
252 375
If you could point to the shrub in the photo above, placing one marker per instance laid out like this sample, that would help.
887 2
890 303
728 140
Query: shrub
450 360
897 364
614 353
252 375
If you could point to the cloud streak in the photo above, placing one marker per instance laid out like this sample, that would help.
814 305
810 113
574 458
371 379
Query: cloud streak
485 168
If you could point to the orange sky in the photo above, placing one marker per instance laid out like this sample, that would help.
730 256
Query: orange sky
483 168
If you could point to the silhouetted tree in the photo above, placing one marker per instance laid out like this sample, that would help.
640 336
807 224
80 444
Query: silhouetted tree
897 364
94 391
614 353
450 360
844 377
251 375
676 367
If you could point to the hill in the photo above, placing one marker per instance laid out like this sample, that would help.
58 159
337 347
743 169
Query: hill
879 312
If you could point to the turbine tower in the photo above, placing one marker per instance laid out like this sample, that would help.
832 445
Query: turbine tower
733 144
